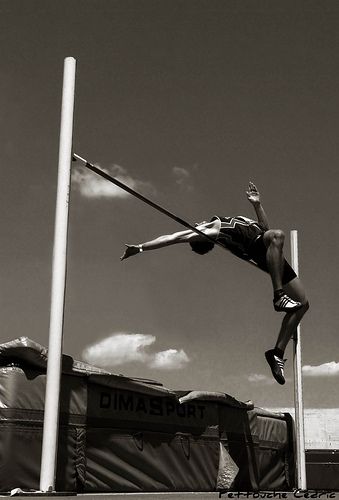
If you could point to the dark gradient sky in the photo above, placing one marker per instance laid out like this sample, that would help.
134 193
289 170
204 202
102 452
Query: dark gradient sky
228 91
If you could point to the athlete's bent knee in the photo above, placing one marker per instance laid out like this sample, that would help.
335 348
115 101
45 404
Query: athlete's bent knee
279 235
275 237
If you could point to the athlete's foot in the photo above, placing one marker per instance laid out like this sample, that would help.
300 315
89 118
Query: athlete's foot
277 366
284 303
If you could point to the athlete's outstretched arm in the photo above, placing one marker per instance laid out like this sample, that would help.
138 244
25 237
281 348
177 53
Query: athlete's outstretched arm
187 236
253 197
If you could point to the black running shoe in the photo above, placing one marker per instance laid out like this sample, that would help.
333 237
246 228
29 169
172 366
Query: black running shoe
277 366
285 304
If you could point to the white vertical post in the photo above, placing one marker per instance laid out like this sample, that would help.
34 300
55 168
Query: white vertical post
298 389
51 416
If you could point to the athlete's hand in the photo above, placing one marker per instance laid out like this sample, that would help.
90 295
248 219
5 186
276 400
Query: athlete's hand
130 251
253 194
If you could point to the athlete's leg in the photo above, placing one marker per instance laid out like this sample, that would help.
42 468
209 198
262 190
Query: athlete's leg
296 291
275 357
274 242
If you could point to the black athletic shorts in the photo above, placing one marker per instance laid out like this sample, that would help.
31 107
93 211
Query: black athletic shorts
258 255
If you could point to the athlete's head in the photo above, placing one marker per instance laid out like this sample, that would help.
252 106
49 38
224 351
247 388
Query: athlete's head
202 247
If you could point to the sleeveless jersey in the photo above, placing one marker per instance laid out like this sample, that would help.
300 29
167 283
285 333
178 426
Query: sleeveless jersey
237 234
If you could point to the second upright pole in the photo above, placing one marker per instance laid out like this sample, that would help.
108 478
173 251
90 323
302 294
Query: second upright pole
298 388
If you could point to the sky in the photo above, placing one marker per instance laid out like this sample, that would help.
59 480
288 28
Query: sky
186 102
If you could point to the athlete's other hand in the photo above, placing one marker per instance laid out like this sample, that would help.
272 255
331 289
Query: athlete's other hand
130 251
253 194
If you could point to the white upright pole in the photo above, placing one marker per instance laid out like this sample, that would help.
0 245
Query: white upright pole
51 417
298 389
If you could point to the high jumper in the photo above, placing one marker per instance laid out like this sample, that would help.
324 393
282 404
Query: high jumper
255 242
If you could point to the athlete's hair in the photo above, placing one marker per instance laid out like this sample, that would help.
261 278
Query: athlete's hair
202 247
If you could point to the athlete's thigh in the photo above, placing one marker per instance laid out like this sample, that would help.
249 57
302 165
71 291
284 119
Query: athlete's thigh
295 289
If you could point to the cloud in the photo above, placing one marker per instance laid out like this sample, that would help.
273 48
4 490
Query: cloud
330 369
182 178
118 349
181 174
92 185
121 348
258 378
169 360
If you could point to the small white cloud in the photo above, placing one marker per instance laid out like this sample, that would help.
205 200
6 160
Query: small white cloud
181 174
92 185
330 369
258 378
182 178
169 360
121 348
118 349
